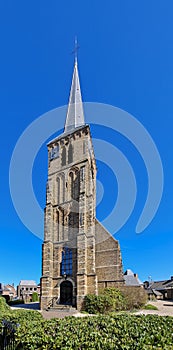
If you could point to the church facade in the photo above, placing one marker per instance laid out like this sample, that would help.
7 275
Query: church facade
79 256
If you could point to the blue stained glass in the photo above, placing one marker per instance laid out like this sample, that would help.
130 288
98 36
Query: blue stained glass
66 264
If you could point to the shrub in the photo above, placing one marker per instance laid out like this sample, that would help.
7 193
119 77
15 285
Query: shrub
136 297
117 299
3 305
21 316
97 303
113 299
110 299
34 296
15 302
26 315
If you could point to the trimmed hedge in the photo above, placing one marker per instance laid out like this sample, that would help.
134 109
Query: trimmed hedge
121 332
98 333
16 302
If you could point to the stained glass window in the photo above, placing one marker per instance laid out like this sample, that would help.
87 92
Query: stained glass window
66 264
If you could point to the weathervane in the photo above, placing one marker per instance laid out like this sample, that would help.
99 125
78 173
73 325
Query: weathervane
76 48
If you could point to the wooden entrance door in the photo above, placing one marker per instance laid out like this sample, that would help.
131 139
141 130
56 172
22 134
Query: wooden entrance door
66 293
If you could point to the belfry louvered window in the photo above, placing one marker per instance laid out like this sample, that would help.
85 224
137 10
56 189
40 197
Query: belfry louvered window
63 160
66 264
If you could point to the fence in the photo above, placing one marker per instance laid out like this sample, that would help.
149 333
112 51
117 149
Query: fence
7 337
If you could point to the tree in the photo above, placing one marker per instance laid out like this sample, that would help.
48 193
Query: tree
34 296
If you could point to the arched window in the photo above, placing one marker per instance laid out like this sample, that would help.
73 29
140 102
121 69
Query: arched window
58 190
66 264
62 194
71 184
76 186
63 159
57 225
70 154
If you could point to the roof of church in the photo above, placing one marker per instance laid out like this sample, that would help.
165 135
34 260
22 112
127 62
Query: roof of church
75 113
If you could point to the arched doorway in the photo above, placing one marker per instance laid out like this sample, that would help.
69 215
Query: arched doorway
66 293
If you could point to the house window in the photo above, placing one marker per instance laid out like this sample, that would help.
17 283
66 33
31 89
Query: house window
66 264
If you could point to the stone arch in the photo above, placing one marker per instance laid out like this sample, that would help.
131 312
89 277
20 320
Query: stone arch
67 279
74 183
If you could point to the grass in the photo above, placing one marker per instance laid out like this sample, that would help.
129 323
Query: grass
150 307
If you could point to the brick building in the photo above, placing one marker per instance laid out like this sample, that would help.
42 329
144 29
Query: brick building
79 256
26 288
8 291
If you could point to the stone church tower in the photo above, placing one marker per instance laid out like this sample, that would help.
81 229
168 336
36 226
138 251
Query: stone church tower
79 256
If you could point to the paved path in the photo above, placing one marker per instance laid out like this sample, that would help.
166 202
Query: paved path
29 306
49 314
165 308
61 314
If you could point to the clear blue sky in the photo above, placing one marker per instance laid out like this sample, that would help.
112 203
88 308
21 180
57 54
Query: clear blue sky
125 59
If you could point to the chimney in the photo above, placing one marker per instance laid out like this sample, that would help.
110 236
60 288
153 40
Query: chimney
171 278
135 275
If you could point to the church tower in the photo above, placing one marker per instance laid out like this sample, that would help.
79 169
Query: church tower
75 259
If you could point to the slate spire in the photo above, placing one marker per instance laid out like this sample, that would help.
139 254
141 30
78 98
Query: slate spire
75 114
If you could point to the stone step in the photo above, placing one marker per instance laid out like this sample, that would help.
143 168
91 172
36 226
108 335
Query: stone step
67 308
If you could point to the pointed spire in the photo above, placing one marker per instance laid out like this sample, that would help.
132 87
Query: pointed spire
75 114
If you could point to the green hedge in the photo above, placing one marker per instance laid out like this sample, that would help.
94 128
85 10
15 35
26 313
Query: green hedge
3 305
98 332
16 302
121 332
107 332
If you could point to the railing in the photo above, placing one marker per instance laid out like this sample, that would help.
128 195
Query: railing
53 302
7 336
